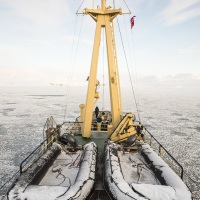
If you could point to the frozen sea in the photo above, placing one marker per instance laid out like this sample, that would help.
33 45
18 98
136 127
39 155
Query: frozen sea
174 119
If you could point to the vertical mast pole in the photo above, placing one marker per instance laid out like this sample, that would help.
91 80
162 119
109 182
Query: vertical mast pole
103 4
104 19
114 85
92 82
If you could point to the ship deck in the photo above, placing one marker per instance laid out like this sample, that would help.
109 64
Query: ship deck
134 170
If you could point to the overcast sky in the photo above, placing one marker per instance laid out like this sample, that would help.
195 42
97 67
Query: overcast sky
43 42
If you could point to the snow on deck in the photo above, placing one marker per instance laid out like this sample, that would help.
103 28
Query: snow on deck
155 192
64 170
129 175
170 177
135 169
70 176
35 192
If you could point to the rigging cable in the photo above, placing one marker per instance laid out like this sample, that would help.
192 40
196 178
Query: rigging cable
134 74
73 66
127 6
129 71
135 64
80 6
71 71
135 77
68 81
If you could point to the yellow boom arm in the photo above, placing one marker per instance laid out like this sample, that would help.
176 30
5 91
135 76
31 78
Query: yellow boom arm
125 129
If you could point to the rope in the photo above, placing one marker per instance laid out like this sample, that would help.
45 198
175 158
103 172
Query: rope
72 165
128 71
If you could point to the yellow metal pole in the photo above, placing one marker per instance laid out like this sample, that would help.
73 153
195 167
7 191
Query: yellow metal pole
103 4
92 82
82 112
115 97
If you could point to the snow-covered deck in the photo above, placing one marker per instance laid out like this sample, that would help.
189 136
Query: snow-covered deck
135 169
64 170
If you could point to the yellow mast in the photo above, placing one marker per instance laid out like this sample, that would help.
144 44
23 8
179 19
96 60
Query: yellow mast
104 19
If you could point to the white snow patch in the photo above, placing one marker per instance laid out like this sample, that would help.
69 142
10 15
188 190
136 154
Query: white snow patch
171 178
34 192
155 192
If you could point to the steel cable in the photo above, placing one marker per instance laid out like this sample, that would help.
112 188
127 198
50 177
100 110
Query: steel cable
73 66
128 71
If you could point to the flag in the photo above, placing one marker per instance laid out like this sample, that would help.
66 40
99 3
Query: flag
132 21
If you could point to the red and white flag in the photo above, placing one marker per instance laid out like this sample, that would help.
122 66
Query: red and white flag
132 21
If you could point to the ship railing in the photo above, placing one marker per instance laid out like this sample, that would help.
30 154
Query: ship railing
72 127
38 152
33 156
75 127
193 185
104 126
26 163
158 147
49 124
